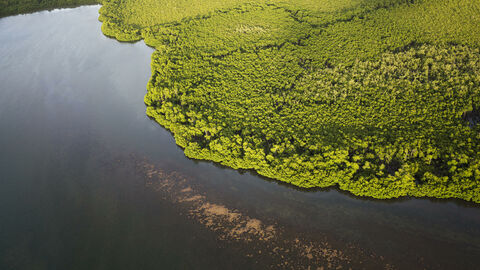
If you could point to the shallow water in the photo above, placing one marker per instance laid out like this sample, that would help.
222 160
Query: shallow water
73 130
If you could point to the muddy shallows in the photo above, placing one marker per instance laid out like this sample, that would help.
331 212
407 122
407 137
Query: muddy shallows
264 239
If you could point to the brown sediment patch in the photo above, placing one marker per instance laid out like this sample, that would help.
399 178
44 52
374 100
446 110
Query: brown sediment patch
219 210
262 237
187 189
191 199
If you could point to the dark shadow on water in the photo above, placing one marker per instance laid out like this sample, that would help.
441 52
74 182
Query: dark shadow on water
458 202
128 42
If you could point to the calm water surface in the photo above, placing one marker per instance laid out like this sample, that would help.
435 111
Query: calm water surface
71 108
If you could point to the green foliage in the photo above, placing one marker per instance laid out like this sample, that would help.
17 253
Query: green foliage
13 7
367 95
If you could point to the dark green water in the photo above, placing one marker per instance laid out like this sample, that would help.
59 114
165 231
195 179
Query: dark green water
71 110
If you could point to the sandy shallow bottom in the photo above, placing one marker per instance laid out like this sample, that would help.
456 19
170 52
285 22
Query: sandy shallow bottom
73 197
261 238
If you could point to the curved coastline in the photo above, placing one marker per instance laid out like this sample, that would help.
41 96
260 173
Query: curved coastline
349 165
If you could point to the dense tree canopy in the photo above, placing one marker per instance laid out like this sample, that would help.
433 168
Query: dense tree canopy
368 95
379 97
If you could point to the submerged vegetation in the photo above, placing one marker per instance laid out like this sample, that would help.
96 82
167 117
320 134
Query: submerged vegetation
369 95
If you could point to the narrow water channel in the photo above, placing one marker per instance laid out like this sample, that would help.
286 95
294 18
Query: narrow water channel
88 181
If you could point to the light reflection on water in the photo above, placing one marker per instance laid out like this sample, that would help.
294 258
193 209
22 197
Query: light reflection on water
71 104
